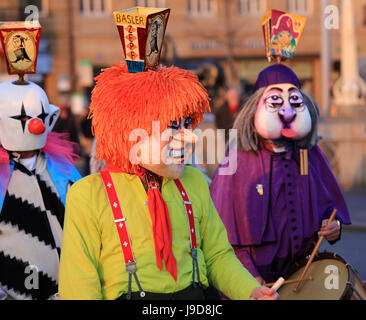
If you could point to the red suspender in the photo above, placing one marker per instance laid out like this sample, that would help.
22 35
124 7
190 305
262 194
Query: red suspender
124 238
189 210
119 219
192 229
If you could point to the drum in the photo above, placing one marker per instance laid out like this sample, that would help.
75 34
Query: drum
332 279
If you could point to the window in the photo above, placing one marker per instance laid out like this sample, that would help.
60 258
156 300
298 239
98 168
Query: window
304 7
251 7
95 7
202 8
150 3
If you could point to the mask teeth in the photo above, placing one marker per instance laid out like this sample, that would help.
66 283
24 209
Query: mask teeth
177 153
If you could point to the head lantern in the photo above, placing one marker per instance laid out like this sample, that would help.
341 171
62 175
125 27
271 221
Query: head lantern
26 117
282 32
141 111
278 113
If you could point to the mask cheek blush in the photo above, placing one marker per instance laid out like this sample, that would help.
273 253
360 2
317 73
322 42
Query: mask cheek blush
267 124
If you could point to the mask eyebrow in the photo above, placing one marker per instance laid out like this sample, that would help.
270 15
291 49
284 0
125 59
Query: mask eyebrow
275 88
292 89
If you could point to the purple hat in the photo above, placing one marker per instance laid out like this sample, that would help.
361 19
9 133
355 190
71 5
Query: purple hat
277 73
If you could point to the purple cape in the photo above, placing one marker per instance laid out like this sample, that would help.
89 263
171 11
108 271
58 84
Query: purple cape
246 213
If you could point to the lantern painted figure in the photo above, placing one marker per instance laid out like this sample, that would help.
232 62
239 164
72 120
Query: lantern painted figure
20 44
282 32
145 227
279 199
36 169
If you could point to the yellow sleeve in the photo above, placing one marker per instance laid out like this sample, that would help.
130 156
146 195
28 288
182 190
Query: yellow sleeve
81 244
224 270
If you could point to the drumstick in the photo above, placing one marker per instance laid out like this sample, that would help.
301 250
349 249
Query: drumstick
288 281
315 251
278 284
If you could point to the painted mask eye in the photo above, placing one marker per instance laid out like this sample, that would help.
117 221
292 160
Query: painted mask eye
296 102
174 125
187 122
274 101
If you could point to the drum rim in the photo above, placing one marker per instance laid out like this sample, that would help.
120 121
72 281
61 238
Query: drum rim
348 291
319 256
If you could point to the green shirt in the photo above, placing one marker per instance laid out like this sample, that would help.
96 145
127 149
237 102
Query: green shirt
92 264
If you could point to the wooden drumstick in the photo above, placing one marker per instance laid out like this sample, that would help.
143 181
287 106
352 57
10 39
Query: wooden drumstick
288 281
314 251
278 284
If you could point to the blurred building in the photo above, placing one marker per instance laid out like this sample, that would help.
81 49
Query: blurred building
81 38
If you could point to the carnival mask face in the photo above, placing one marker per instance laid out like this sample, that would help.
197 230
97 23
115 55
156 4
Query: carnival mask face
284 37
26 117
166 154
282 113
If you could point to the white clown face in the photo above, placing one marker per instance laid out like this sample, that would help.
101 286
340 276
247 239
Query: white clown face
282 113
26 117
166 153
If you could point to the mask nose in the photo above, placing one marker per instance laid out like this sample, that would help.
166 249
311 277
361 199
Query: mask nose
36 127
287 113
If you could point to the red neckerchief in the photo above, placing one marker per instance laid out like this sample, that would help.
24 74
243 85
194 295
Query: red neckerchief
161 226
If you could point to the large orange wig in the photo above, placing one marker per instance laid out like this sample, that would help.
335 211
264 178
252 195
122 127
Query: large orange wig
123 101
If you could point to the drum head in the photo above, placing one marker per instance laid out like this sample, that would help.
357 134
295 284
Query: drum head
330 277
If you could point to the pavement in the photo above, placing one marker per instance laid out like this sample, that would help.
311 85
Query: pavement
356 201
352 245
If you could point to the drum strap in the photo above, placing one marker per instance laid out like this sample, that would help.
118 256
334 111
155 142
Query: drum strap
124 238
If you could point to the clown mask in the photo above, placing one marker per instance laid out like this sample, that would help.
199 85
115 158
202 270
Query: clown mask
165 153
26 117
282 114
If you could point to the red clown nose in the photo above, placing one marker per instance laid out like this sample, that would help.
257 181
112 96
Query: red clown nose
36 126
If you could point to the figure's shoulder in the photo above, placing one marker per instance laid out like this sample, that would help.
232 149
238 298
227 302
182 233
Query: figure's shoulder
59 165
193 175
86 185
317 155
240 160
318 160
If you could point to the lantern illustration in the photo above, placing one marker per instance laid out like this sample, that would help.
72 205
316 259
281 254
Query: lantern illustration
20 43
282 32
142 33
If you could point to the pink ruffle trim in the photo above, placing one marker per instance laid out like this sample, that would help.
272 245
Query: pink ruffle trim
56 144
